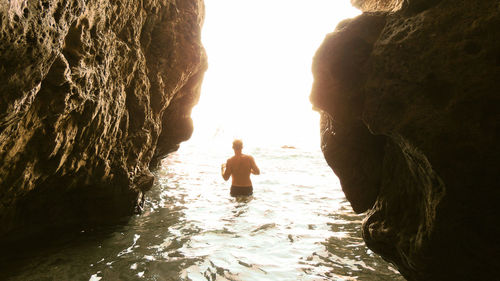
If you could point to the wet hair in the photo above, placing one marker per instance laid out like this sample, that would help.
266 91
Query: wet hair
237 144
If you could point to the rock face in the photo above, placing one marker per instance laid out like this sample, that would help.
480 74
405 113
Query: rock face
91 93
409 97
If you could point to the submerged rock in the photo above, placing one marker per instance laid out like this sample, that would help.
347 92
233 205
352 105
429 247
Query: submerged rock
91 93
409 99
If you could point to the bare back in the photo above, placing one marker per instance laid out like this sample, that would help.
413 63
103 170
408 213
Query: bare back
240 167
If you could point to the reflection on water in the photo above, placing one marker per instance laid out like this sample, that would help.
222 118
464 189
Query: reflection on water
297 226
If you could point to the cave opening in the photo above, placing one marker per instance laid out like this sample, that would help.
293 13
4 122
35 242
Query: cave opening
259 75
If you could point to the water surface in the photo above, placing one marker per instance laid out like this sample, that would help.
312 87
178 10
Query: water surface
297 226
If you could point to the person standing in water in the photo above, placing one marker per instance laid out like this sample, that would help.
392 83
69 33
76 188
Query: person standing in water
239 167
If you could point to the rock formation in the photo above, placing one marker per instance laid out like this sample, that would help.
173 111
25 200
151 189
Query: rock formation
91 93
409 97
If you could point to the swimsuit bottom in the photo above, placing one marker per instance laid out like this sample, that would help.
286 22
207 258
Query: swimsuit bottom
241 190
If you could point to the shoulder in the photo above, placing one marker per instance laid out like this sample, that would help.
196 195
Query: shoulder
249 157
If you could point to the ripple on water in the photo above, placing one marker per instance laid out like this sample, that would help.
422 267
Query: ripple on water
297 226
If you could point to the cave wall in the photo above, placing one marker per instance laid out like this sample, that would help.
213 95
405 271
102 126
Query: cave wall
92 93
409 100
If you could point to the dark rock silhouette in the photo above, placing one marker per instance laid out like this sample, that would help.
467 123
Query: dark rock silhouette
91 93
409 99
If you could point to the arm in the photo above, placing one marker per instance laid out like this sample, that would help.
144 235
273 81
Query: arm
254 169
226 170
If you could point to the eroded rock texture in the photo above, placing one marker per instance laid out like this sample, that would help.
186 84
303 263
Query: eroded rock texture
91 92
410 124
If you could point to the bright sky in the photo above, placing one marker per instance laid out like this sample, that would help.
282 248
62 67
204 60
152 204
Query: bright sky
259 78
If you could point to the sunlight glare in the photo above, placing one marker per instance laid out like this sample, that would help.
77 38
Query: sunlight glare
259 77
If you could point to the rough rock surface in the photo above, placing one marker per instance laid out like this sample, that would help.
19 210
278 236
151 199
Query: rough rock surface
91 92
410 124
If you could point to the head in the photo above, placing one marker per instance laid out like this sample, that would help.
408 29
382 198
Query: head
237 145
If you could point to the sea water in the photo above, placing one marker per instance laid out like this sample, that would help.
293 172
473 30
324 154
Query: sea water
296 226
